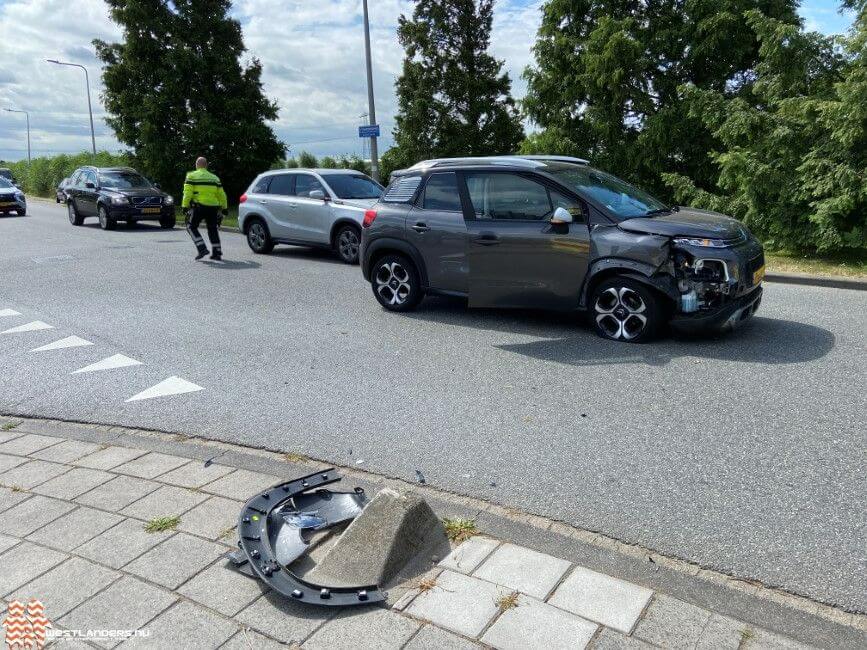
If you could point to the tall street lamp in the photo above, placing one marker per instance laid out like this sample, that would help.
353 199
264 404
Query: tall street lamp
374 152
89 108
14 110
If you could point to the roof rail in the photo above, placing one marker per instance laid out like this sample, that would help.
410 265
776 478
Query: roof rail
567 159
515 161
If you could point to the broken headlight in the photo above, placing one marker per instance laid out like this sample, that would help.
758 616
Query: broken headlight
706 243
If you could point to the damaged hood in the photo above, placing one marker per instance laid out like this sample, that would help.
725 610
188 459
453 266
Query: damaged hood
687 222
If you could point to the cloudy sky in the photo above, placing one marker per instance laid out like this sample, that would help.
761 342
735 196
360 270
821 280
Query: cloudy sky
312 52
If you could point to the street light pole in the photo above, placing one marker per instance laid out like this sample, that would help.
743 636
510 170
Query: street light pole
27 115
89 107
374 151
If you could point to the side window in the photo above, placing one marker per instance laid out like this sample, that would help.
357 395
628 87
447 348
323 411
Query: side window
282 184
508 196
75 180
401 190
572 205
441 193
90 177
305 183
261 186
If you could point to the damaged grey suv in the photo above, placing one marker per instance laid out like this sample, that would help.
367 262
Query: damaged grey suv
551 232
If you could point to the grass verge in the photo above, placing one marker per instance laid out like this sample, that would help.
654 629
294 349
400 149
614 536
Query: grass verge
851 263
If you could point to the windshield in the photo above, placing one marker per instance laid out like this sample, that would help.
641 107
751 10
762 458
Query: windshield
354 186
4 183
123 180
618 196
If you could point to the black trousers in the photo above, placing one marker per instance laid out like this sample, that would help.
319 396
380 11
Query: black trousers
212 218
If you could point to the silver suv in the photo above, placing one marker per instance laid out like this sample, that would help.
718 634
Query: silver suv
322 208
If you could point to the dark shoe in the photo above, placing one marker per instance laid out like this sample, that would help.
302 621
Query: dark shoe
201 254
216 256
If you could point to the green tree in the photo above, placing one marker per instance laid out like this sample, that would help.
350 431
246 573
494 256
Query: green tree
307 159
327 162
607 78
175 89
453 97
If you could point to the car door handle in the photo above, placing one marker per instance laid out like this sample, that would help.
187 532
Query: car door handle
487 239
421 227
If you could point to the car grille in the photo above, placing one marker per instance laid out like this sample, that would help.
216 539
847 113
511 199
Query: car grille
144 201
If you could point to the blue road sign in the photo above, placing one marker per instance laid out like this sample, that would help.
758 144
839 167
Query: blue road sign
369 131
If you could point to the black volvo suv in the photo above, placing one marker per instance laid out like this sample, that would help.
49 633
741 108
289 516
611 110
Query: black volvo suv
115 194
551 232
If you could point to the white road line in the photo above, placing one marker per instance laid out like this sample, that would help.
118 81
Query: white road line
9 312
29 327
109 363
170 386
68 342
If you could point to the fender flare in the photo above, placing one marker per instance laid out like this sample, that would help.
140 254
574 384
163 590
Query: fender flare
337 225
388 244
633 269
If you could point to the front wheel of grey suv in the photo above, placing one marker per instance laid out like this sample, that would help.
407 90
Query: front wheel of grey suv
395 282
625 310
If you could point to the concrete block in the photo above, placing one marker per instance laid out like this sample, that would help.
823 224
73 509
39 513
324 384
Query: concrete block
66 452
109 457
9 498
7 542
128 604
223 589
31 515
764 640
609 639
721 632
75 528
151 465
469 554
118 493
247 639
523 569
73 483
534 624
185 625
8 461
672 623
194 474
66 586
212 518
27 444
241 484
23 563
121 544
459 603
371 628
283 619
175 560
393 529
434 638
31 474
167 501
601 598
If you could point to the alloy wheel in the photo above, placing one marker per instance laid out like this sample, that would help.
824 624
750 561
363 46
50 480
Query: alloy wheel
71 211
103 219
393 283
621 313
256 235
347 244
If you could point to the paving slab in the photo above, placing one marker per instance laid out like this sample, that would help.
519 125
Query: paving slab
241 484
167 501
212 518
118 493
469 554
431 637
7 542
9 498
187 626
672 623
28 516
721 632
66 586
30 474
67 451
601 598
175 560
247 639
194 474
282 619
223 589
25 562
523 569
758 639
73 483
75 528
11 434
121 544
8 461
128 604
609 639
109 457
372 628
151 465
534 624
459 603
27 444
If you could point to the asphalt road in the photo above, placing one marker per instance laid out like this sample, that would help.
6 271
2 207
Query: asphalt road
744 453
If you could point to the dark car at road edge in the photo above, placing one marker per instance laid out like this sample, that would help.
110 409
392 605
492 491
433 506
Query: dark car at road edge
551 232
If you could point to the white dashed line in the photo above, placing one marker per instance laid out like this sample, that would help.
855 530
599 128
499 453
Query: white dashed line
170 386
9 312
109 363
68 342
29 327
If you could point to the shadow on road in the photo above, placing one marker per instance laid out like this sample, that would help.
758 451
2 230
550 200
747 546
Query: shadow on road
568 338
307 253
231 265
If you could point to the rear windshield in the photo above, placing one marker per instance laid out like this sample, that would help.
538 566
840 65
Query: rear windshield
354 186
123 180
621 198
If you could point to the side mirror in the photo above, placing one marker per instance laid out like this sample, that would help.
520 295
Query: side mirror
317 194
90 185
562 215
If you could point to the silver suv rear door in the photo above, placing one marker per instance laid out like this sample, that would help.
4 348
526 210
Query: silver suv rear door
279 206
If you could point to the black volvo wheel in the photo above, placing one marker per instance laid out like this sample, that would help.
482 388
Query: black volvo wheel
74 218
396 283
105 221
347 242
258 238
625 310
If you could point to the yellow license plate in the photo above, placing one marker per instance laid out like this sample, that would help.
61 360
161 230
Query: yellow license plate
759 275
151 210
6 204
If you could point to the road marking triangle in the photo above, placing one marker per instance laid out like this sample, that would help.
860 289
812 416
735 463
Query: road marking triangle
68 342
110 363
29 327
9 312
170 386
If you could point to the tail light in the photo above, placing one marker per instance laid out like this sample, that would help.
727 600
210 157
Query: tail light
243 199
369 216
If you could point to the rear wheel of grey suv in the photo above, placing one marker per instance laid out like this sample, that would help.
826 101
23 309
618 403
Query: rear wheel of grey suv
625 310
396 283
347 240
258 238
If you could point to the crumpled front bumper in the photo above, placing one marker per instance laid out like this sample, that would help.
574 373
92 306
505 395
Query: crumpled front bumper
726 317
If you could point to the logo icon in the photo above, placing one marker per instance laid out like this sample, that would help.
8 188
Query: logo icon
26 625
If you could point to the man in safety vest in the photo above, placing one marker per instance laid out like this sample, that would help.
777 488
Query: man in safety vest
204 198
